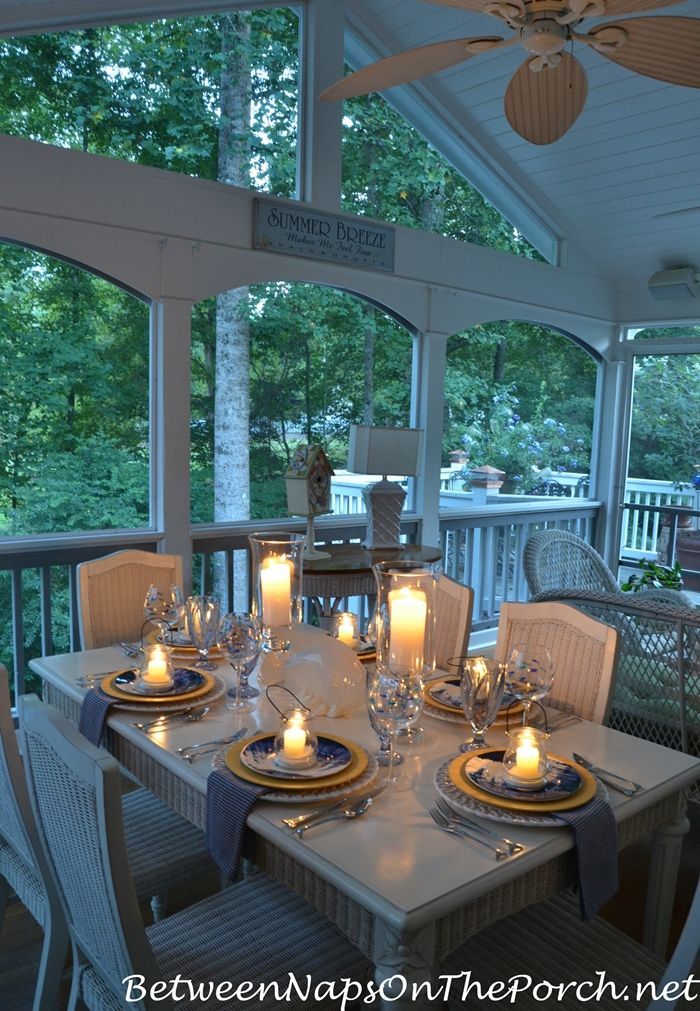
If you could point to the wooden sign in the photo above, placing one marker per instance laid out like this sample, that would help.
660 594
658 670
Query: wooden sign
316 235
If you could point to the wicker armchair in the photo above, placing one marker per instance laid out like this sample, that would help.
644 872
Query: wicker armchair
253 931
657 683
555 558
111 592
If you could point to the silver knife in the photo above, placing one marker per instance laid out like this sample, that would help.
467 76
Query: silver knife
350 798
619 783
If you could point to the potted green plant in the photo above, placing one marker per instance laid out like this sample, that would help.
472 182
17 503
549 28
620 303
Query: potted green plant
655 575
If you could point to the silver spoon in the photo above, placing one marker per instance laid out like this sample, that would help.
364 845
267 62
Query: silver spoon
352 811
161 722
221 740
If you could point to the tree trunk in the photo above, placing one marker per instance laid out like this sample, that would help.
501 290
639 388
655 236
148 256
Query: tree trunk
232 398
499 360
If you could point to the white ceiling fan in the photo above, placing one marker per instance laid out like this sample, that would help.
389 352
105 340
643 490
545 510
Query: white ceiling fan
547 93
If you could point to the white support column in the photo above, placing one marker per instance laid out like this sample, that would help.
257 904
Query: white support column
614 399
320 123
170 427
427 409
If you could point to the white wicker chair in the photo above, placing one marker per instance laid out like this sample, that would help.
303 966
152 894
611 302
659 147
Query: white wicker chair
453 619
253 931
111 593
22 864
583 653
549 942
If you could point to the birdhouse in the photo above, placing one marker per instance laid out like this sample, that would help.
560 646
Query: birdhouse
308 481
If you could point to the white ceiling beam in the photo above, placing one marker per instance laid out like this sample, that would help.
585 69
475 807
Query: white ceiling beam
33 18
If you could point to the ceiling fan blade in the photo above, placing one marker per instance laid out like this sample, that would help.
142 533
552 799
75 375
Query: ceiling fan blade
408 66
664 48
542 105
615 7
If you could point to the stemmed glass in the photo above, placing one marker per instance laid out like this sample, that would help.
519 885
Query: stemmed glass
242 640
530 674
164 604
203 624
481 692
394 700
385 755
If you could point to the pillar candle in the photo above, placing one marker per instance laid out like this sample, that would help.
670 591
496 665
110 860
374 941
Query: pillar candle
294 741
276 590
157 672
527 761
346 631
408 611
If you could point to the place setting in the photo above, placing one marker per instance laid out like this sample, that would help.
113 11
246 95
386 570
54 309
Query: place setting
291 764
524 784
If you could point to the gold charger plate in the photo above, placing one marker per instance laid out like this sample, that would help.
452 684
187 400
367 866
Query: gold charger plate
513 710
587 791
357 766
108 687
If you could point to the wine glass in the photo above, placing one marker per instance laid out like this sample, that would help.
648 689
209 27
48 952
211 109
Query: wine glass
481 692
530 674
203 623
164 605
394 700
385 755
241 638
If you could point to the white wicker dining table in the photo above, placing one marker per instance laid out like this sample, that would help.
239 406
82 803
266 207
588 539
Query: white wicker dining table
404 892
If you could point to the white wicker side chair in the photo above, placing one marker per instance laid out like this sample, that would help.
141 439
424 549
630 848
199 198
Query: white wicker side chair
255 930
583 652
453 619
23 866
111 592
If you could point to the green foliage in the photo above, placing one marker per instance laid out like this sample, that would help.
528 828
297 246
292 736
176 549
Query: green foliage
655 575
665 441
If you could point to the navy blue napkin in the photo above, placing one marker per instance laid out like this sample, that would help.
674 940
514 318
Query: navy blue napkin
595 835
93 714
229 801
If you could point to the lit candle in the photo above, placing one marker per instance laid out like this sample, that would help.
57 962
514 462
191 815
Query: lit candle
527 760
346 630
294 740
276 590
408 610
157 672
479 668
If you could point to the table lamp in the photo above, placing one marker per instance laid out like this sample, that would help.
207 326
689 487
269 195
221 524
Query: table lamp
383 451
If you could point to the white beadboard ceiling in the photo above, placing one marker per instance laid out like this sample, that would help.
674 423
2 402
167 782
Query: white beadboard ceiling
621 189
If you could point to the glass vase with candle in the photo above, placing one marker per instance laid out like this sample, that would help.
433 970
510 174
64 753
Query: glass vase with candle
404 620
345 629
525 760
482 683
276 564
296 743
156 673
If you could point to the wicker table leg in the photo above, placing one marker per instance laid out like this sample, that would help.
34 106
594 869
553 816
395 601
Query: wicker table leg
403 960
667 841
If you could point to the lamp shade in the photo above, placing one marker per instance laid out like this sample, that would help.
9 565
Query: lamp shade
374 450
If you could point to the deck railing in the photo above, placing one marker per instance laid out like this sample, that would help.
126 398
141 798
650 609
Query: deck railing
658 532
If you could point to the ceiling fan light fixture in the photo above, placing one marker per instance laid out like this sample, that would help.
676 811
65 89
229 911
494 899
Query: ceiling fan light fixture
544 37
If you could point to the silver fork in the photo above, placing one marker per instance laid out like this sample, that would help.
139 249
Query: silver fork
348 811
458 819
205 744
161 722
463 832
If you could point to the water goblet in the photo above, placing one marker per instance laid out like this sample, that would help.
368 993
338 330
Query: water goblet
385 755
394 700
530 674
241 639
203 623
164 604
481 692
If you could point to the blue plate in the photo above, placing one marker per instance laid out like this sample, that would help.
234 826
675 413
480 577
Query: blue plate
331 757
446 691
487 773
185 681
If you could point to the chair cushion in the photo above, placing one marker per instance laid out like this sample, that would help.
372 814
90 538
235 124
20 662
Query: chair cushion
549 942
164 848
254 931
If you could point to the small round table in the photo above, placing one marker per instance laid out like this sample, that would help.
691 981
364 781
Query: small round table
348 573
